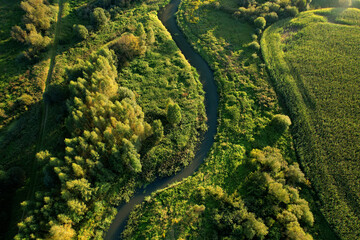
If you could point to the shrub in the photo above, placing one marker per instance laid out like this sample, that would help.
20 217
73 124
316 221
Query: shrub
255 45
81 31
158 130
272 17
280 123
260 22
301 5
25 100
128 46
18 34
37 13
173 113
99 17
292 11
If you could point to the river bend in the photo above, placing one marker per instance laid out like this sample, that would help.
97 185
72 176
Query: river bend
168 18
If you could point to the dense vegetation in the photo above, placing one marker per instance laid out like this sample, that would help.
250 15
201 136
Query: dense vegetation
140 102
248 188
315 63
96 100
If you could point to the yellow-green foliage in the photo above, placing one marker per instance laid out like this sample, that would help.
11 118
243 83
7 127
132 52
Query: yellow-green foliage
106 137
316 66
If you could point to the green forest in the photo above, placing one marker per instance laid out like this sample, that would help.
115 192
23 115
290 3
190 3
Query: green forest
104 107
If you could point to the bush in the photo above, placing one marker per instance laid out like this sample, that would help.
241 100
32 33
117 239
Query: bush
25 100
173 113
128 46
255 45
18 34
301 5
292 11
37 13
158 130
99 17
280 123
260 22
272 17
81 31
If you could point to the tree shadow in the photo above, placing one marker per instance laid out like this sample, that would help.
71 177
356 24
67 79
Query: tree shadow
267 136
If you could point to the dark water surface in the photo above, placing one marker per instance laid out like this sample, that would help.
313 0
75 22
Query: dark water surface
167 17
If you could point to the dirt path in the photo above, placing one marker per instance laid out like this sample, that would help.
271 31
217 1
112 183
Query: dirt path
45 106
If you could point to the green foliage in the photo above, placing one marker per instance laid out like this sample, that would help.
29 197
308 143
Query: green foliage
292 11
128 46
158 130
38 13
280 123
299 59
62 232
81 31
254 45
37 21
99 126
99 17
173 114
260 22
190 210
108 153
271 11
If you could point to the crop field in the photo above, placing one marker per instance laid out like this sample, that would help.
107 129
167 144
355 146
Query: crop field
315 62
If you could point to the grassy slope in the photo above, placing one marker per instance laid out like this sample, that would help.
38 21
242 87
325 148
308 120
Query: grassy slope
316 67
247 102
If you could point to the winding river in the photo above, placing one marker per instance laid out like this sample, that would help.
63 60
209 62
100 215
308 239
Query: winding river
167 17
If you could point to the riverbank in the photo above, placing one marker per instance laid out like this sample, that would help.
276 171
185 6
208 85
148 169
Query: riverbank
205 205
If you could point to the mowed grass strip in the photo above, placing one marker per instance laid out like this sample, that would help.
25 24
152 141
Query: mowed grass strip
315 62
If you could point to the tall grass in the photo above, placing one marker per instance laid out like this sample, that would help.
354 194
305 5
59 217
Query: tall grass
315 66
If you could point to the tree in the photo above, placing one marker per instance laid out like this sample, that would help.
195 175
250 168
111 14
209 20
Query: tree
62 232
260 22
291 11
301 5
158 130
254 45
37 13
18 34
280 123
99 17
131 156
294 174
173 113
81 31
128 46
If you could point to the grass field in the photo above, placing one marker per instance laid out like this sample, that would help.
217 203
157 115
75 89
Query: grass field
316 68
247 103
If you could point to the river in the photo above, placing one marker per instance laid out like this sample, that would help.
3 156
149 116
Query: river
168 18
